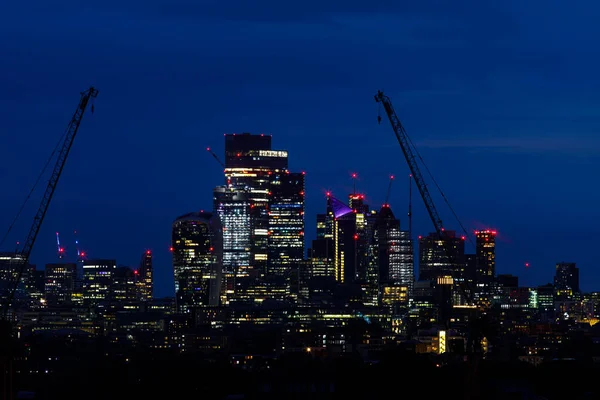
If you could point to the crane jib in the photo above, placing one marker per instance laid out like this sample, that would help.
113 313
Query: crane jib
405 145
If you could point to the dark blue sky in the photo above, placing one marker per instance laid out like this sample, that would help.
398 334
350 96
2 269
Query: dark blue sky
501 98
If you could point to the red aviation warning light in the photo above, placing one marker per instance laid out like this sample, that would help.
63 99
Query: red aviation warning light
526 265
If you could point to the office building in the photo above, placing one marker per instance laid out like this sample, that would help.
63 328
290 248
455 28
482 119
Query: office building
197 260
98 278
485 248
232 206
10 264
249 162
286 227
124 286
566 281
262 205
394 251
440 255
59 283
344 227
145 278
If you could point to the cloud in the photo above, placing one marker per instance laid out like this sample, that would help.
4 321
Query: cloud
265 10
580 145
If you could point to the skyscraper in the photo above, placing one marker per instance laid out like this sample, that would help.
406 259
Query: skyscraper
124 286
352 228
144 277
343 227
196 247
286 226
263 203
232 207
485 269
98 277
485 248
566 280
249 161
394 251
10 263
440 256
59 283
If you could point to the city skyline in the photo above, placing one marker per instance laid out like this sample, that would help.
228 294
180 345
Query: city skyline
164 288
120 189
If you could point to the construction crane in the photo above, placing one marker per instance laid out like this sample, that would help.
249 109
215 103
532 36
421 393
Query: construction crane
416 176
212 153
60 251
410 206
69 137
476 324
389 190
406 147
80 253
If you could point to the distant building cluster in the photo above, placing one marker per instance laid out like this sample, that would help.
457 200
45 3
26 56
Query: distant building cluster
251 247
245 263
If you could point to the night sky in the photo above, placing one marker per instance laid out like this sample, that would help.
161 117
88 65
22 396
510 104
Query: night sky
500 98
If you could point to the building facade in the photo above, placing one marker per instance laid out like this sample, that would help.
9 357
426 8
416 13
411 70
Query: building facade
98 279
261 209
197 260
59 283
145 277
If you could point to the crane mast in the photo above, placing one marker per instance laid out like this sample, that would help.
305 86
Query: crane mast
70 134
411 160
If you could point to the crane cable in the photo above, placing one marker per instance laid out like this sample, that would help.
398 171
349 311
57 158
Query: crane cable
37 181
439 189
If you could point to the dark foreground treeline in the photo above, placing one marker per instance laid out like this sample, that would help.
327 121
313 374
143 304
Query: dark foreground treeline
94 370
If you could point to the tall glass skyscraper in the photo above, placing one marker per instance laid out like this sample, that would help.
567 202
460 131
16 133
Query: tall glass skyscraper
286 230
395 251
196 247
232 207
262 206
